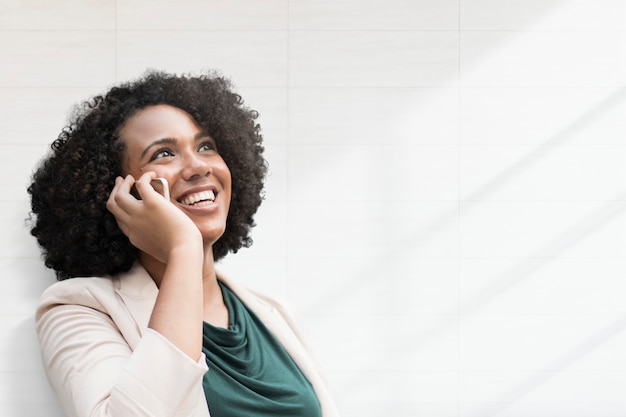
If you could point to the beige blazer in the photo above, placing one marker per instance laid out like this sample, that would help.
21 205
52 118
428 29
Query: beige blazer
102 360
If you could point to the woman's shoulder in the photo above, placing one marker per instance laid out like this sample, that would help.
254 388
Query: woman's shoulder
99 292
271 310
122 303
85 291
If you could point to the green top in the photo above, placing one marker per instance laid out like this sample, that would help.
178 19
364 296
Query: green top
250 374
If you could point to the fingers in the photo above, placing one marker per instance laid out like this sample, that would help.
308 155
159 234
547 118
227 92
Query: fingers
143 186
116 204
120 192
122 196
123 201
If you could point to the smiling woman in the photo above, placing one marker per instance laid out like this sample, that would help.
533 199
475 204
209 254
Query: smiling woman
150 308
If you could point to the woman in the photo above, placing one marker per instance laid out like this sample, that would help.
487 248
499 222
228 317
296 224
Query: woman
145 314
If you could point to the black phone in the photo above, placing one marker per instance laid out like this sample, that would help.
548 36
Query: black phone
160 186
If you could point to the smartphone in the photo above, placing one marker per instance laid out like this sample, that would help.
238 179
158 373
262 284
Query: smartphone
160 186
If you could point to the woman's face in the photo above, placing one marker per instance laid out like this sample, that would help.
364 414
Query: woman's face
167 140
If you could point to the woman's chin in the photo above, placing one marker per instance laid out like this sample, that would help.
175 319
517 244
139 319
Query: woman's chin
209 237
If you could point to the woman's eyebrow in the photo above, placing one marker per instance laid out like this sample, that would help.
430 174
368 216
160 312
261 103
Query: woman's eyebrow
202 135
163 141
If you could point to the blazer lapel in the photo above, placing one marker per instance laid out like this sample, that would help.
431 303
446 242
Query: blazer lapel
138 292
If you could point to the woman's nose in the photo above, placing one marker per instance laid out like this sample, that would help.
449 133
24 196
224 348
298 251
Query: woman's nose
195 167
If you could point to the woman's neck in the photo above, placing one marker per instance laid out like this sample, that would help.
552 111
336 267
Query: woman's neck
156 268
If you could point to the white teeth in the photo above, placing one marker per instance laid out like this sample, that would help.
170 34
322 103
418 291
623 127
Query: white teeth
197 197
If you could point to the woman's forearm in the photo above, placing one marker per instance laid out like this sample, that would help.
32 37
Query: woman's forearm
177 313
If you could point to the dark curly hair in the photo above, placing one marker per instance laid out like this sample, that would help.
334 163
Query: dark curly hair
77 234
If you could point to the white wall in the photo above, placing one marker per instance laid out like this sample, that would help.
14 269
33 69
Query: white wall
446 206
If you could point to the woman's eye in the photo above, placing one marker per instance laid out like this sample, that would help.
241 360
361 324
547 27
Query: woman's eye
206 146
161 153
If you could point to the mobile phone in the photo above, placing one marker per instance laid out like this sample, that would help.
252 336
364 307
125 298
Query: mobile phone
160 186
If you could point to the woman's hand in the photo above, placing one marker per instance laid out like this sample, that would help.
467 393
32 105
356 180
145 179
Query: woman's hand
153 224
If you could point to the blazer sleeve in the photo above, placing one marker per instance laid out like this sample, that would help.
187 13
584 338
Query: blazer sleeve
94 373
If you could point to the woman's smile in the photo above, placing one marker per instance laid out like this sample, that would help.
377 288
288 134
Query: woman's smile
201 198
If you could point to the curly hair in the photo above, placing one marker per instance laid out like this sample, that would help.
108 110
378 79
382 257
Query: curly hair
77 234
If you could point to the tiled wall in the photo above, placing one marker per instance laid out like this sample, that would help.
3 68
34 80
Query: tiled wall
447 202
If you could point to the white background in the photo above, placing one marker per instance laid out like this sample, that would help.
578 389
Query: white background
447 198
